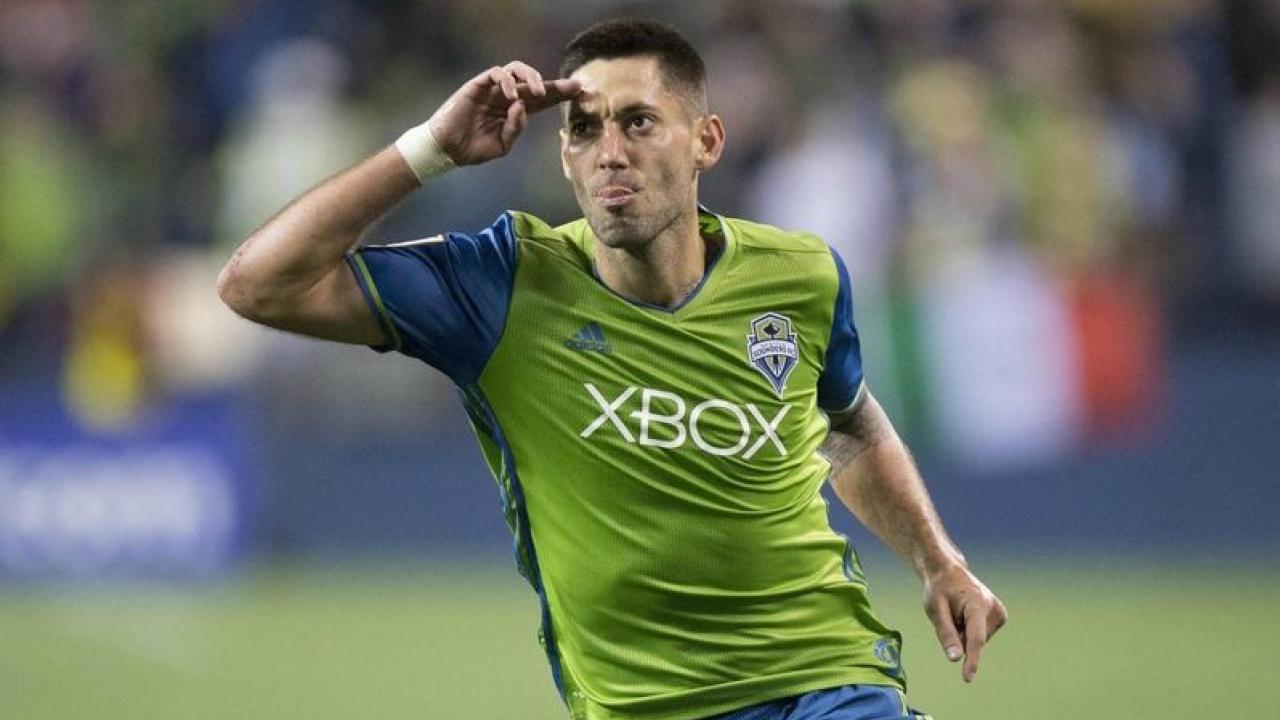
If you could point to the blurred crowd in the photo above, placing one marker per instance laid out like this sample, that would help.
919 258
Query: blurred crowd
1031 194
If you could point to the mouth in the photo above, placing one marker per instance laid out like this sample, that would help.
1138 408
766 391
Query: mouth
613 196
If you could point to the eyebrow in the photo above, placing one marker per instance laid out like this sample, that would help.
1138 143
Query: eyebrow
577 113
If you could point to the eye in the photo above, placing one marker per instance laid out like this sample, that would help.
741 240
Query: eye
579 128
640 122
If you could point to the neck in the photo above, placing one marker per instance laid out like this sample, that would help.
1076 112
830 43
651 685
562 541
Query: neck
662 272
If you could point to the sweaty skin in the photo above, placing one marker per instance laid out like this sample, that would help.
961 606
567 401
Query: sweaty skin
633 148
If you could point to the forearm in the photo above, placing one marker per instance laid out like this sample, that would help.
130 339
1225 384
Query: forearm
874 476
290 274
282 261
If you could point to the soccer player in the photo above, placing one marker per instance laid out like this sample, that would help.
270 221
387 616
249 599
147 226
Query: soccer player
659 391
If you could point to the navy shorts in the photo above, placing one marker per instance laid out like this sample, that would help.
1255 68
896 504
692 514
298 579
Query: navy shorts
850 702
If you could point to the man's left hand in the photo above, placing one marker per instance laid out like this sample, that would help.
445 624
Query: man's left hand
965 614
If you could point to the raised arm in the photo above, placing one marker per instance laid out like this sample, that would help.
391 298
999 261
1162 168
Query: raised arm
874 476
290 273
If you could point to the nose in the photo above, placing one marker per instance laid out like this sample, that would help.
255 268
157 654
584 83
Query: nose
613 148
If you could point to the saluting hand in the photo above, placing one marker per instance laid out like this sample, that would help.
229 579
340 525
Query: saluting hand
965 614
483 118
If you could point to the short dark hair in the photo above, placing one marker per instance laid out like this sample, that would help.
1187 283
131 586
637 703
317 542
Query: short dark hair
610 39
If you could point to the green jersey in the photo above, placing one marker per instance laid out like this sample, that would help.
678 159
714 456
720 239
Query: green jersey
659 467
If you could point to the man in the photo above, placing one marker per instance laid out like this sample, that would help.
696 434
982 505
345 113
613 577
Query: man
651 386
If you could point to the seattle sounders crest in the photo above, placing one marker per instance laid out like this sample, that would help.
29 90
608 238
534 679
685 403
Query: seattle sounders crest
771 348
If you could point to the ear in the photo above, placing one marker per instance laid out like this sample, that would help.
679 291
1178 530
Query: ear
564 154
710 142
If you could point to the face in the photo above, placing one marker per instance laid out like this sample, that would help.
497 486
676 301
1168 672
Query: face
632 148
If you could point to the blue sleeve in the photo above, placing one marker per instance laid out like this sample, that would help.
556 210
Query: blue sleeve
442 299
840 387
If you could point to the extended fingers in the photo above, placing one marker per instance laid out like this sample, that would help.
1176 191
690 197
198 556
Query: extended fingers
564 89
513 77
519 81
939 611
557 91
527 75
975 638
981 621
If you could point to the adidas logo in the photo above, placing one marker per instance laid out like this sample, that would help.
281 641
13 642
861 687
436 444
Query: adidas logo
590 337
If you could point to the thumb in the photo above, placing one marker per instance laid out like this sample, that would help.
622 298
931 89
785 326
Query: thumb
939 612
513 125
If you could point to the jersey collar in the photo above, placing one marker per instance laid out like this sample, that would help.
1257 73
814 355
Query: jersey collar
709 223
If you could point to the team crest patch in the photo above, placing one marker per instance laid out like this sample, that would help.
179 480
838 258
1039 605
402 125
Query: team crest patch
771 348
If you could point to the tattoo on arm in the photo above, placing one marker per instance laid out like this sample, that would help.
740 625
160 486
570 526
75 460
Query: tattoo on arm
855 432
873 474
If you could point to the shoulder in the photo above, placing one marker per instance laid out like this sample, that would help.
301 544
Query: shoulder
762 237
795 256
537 238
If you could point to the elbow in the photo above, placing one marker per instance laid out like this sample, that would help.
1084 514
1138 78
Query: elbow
231 288
241 294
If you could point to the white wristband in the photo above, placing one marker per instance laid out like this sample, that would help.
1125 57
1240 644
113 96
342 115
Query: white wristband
425 157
